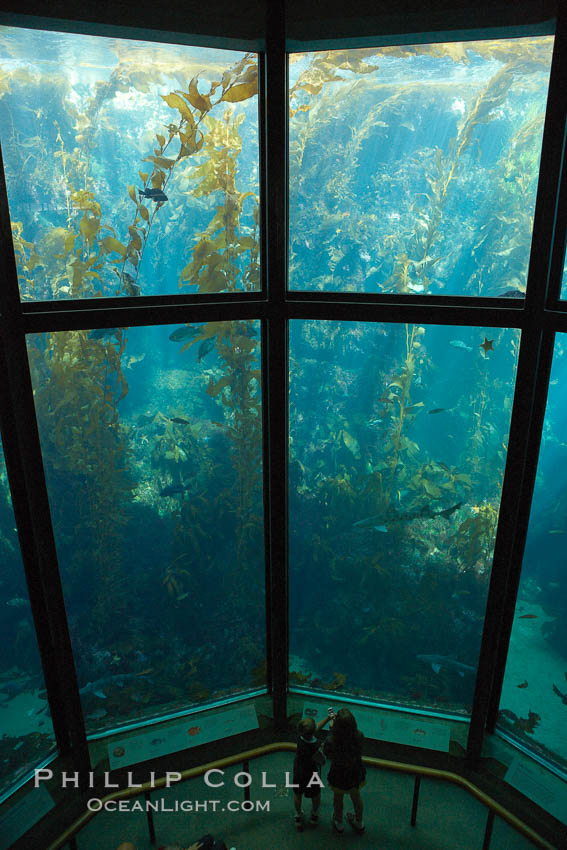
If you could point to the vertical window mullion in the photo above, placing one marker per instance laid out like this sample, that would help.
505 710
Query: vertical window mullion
39 554
275 353
532 382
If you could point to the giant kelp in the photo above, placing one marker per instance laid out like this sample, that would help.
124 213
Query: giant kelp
381 185
398 509
98 245
398 526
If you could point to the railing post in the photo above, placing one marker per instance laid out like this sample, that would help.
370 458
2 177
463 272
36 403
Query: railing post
246 769
150 816
415 801
488 830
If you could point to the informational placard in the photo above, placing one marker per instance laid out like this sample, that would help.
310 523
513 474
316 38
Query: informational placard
189 732
23 815
398 730
539 786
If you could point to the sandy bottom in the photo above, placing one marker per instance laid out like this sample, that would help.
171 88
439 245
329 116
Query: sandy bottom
19 715
532 659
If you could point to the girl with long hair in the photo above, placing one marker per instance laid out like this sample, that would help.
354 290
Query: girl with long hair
347 772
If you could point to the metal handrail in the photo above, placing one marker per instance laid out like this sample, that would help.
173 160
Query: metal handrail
282 746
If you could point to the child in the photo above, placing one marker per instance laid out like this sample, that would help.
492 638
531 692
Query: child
305 765
347 772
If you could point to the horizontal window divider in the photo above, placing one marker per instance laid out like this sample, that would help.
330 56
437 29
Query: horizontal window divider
553 320
123 302
77 317
416 313
453 311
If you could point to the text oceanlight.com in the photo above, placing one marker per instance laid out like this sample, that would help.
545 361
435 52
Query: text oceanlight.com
96 805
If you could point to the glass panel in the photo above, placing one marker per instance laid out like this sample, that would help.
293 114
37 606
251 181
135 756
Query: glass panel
413 169
26 731
132 167
396 463
151 439
534 695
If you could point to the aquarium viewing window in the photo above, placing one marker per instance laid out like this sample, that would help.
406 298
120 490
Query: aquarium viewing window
395 483
413 169
154 474
532 706
251 462
27 732
132 168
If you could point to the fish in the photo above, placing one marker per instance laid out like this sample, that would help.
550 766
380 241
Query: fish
381 528
206 346
440 410
97 714
458 343
15 686
509 715
100 333
511 293
439 661
174 489
351 263
448 511
527 724
393 516
528 617
145 419
186 332
130 285
135 359
523 684
117 679
18 602
178 420
92 688
250 331
157 195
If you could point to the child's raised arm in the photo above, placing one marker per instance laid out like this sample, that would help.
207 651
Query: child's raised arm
330 716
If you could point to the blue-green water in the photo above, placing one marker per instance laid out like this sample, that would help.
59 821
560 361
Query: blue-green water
133 169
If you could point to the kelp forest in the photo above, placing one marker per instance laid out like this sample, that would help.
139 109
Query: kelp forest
133 169
151 437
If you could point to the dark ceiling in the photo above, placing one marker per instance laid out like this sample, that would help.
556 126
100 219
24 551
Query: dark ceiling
310 22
